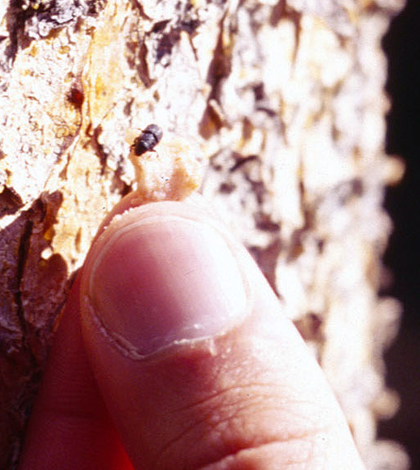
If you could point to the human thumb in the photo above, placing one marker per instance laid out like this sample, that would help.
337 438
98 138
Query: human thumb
196 362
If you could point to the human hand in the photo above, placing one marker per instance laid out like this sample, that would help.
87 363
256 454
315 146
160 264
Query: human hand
182 359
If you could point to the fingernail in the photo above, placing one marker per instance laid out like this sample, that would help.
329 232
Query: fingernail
165 280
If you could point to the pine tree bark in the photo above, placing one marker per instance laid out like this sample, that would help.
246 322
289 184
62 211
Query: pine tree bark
286 100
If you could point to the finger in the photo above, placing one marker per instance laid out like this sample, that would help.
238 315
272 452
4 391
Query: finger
70 427
196 363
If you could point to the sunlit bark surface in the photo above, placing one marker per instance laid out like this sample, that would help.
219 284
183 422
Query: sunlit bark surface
286 101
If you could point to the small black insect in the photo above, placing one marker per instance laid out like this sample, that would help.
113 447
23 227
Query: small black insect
148 139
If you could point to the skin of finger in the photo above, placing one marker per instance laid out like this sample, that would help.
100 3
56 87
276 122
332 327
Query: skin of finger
69 427
215 403
196 204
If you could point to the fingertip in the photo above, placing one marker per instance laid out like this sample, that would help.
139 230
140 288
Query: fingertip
186 401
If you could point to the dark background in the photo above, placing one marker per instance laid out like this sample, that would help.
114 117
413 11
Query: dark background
402 46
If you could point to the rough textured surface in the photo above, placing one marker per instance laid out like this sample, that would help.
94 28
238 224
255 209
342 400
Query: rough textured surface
286 101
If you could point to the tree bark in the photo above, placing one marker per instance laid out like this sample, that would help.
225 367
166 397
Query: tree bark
286 100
